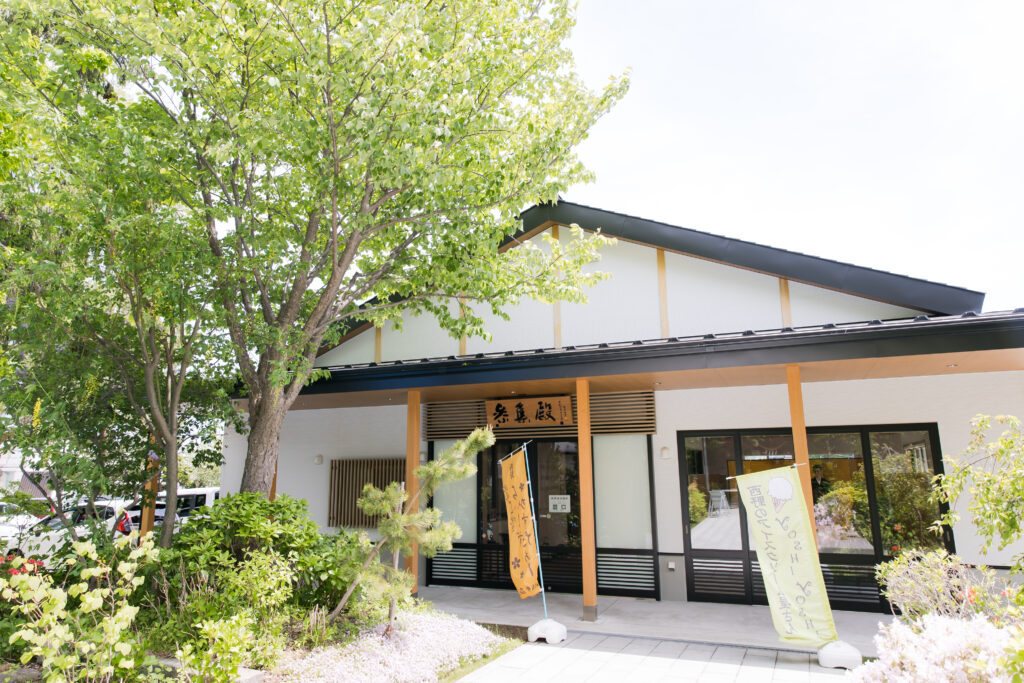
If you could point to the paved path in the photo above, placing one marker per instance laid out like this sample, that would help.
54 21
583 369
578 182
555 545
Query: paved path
596 658
742 626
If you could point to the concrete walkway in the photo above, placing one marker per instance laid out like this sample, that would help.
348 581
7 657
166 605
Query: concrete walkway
743 626
595 658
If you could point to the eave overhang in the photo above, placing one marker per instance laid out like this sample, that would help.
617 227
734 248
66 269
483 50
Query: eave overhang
873 339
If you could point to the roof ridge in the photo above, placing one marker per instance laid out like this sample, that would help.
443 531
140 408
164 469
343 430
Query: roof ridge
767 246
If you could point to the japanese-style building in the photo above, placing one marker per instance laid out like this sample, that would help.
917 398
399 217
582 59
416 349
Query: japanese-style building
700 358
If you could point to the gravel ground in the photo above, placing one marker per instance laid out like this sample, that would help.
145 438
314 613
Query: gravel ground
424 646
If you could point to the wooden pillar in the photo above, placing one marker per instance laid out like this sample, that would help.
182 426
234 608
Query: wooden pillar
587 533
149 496
784 303
800 451
273 484
412 461
663 294
556 307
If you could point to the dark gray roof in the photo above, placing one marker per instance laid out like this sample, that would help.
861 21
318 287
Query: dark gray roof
868 339
901 290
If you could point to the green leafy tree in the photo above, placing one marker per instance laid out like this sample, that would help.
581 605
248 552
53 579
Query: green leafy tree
348 161
992 473
76 436
101 260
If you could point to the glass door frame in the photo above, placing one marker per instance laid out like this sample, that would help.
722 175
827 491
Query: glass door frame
747 555
633 572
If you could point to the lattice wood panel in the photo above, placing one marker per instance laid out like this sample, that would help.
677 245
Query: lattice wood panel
627 412
348 477
630 412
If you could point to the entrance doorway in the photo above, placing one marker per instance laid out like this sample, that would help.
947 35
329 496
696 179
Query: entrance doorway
626 563
554 482
871 488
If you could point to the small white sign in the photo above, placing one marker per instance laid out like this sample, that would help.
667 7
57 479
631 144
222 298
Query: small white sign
558 503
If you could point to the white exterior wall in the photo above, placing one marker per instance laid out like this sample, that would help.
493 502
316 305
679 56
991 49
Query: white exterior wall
358 349
621 308
815 305
377 432
950 401
530 326
702 297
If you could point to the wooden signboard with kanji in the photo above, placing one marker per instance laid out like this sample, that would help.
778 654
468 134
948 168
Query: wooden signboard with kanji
530 412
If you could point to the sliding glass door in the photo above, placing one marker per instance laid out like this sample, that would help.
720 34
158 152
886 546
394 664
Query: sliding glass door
866 509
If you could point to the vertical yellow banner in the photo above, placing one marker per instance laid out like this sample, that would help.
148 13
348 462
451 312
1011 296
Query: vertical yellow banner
522 546
781 533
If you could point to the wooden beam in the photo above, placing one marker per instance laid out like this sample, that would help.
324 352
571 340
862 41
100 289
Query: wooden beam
800 451
378 342
412 461
663 293
787 310
556 308
148 521
586 468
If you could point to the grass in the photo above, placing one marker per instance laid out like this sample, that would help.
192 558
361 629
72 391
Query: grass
514 635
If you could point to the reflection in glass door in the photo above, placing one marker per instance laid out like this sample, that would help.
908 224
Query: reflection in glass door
842 514
554 468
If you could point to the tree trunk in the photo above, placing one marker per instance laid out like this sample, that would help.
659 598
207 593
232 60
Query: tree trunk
171 484
263 446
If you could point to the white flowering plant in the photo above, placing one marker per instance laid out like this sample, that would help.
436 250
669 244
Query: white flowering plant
939 648
82 631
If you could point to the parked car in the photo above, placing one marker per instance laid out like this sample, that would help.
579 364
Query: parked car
119 515
10 518
14 525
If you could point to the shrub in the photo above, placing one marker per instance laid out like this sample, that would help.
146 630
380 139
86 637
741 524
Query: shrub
263 583
938 648
235 525
326 570
84 632
249 555
219 652
11 619
325 565
919 583
698 504
993 473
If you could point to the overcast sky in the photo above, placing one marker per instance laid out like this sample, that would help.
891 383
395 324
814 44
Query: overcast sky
883 134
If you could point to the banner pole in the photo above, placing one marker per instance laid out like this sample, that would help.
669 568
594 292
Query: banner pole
536 539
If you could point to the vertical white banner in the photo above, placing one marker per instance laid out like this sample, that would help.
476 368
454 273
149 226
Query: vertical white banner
781 533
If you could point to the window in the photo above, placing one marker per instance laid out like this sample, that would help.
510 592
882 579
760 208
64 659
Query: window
871 508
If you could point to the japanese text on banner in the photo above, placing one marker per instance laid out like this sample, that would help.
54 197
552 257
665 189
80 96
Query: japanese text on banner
781 533
522 546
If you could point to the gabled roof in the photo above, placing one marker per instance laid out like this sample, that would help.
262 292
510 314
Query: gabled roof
870 339
901 290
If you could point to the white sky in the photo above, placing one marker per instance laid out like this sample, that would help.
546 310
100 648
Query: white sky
885 134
